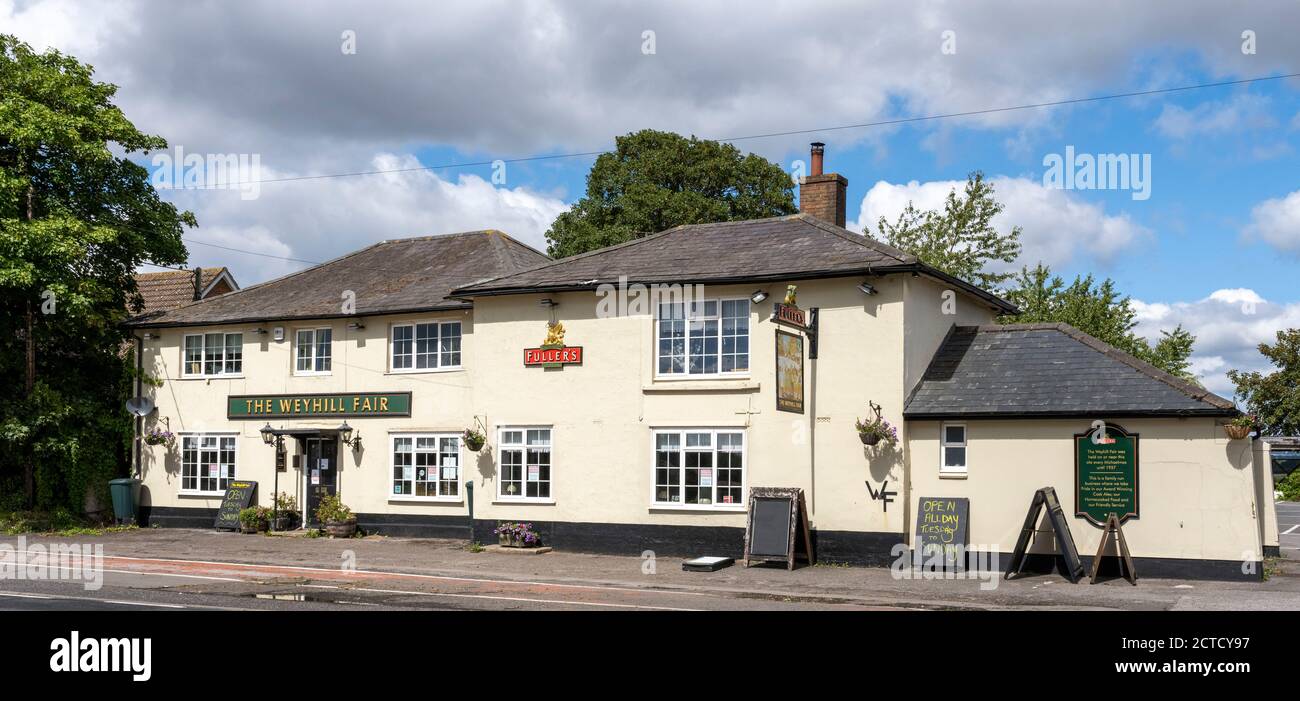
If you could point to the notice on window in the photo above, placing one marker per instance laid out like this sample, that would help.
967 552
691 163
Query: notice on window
706 477
534 473
323 463
408 473
449 473
212 470
315 477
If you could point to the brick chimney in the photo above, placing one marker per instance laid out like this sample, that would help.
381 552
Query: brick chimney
198 283
822 195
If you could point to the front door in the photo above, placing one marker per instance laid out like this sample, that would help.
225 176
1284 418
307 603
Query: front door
321 472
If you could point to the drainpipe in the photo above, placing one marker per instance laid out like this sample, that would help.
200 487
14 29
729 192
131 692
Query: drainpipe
139 420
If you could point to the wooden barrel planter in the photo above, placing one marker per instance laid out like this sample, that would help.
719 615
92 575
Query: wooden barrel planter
341 529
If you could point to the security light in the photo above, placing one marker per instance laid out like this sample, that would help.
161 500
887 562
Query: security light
548 302
758 296
867 289
356 326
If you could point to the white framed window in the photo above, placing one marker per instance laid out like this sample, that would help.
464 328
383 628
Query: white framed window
707 337
314 351
426 466
699 467
425 346
212 354
953 449
525 470
207 462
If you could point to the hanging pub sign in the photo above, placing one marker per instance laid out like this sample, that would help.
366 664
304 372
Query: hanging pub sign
1105 474
553 353
310 406
789 372
788 313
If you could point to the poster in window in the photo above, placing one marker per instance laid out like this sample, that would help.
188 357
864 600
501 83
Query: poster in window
449 473
789 372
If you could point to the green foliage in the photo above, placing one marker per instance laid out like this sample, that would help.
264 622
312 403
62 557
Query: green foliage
332 510
656 180
76 220
1290 486
59 522
1274 398
254 516
1098 310
960 240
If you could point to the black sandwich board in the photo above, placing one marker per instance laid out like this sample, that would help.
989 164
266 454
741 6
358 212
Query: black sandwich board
942 528
240 495
777 516
1046 497
1122 557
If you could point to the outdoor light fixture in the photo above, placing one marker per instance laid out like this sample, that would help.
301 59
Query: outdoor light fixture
758 296
345 435
867 289
268 435
356 326
259 331
548 302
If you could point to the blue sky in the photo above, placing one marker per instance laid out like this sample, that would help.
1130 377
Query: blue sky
1212 248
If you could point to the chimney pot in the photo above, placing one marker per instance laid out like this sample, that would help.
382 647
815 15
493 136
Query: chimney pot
818 148
823 195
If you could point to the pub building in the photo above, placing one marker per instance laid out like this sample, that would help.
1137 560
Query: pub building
631 397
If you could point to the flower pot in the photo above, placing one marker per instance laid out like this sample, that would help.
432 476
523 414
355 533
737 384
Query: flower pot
282 523
473 445
869 438
253 527
503 539
1236 432
341 529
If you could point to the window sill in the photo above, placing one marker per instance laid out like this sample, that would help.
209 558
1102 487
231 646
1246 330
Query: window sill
542 502
312 374
424 371
715 508
702 385
426 500
202 495
211 377
952 475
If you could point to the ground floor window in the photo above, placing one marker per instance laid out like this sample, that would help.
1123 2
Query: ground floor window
426 465
954 449
699 466
525 470
207 462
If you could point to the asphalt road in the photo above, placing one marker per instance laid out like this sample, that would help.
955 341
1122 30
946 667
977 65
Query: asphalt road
1288 528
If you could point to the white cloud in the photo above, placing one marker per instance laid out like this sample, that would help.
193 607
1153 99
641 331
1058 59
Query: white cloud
317 220
1239 113
1277 222
1057 225
1229 325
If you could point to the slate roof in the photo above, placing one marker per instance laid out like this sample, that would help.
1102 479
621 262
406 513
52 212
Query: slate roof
397 276
755 250
172 288
1048 370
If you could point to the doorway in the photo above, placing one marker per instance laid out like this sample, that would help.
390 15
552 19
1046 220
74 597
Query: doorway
321 473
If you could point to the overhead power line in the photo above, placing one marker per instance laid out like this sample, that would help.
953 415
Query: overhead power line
793 132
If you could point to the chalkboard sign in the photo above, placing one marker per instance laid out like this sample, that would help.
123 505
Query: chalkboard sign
942 527
777 516
1046 498
240 495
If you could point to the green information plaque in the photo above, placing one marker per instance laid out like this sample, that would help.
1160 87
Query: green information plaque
288 406
1105 474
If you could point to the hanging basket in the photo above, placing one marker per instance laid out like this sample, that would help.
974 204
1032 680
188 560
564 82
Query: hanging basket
1236 432
869 438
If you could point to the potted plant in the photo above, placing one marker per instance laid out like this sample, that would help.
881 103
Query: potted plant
254 519
158 436
518 535
286 512
1240 427
504 531
337 517
875 430
474 439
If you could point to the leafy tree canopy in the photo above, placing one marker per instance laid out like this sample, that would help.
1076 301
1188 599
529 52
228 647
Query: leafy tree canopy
76 220
656 180
1274 398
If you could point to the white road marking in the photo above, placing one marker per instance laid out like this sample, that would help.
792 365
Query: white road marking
97 600
142 574
25 596
504 598
1291 530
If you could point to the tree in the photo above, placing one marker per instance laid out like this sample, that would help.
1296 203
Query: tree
960 240
1098 310
656 180
76 220
1274 398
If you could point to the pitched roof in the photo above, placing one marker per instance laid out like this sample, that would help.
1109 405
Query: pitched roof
174 288
1048 370
402 275
776 248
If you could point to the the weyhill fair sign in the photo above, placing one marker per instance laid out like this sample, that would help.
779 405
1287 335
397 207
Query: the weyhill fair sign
289 406
1106 473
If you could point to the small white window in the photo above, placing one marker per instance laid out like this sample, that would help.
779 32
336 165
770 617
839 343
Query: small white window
207 463
426 466
315 351
425 346
212 354
525 470
953 449
699 468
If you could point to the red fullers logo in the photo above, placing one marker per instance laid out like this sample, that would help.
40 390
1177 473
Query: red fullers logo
790 315
553 357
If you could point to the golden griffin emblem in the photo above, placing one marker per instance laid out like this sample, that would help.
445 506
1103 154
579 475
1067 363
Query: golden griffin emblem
554 334
789 294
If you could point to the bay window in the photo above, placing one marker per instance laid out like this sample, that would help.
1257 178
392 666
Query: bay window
701 467
426 466
211 354
207 463
425 346
703 337
525 470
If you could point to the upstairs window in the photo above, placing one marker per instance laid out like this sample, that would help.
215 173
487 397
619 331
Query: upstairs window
702 338
213 354
954 449
426 346
315 351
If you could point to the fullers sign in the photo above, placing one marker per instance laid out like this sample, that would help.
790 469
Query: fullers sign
1105 473
288 406
789 315
553 357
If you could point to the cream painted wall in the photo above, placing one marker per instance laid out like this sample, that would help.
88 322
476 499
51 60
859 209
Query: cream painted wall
1196 488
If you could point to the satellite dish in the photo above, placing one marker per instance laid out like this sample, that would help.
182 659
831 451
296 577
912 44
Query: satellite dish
139 406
